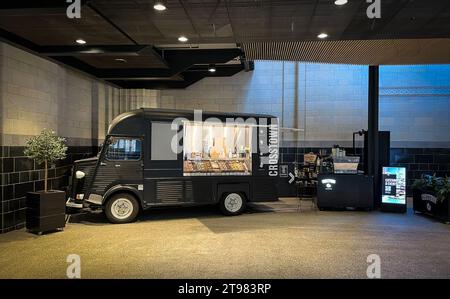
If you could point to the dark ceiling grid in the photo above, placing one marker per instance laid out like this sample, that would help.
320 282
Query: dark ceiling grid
199 37
233 30
438 13
266 29
356 8
389 13
141 66
91 6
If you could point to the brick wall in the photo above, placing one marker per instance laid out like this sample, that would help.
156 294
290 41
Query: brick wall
36 94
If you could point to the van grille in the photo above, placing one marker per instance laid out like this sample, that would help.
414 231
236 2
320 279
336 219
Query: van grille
169 191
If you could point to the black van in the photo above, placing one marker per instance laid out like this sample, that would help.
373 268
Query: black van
157 157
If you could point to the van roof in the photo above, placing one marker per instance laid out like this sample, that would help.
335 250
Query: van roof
158 113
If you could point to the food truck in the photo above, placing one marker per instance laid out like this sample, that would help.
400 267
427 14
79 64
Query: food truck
158 157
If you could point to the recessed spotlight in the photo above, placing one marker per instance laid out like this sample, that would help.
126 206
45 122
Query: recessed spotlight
120 60
159 5
341 2
212 68
322 35
80 41
183 39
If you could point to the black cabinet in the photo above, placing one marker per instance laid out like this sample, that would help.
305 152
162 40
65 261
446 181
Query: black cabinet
340 191
45 211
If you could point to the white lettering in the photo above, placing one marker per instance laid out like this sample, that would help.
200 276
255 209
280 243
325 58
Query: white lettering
374 268
74 269
74 10
374 9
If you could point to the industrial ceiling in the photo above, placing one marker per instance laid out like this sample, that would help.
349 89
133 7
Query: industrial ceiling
133 45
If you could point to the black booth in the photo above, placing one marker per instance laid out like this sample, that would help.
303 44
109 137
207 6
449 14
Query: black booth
358 189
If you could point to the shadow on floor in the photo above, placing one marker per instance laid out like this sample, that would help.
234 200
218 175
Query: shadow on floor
155 214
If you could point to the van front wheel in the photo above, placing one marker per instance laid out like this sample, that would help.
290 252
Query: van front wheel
232 204
122 208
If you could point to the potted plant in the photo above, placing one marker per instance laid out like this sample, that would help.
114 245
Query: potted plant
46 208
431 196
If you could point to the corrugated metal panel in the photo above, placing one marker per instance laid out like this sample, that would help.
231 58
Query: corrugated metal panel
362 52
169 191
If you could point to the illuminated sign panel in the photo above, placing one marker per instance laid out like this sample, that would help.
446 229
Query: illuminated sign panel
394 185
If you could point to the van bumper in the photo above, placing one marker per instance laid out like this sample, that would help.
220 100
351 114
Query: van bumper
74 204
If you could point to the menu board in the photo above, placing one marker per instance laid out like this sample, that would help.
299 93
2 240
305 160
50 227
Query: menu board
394 186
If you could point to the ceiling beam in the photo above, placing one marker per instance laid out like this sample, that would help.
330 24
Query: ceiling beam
178 61
121 50
190 77
31 4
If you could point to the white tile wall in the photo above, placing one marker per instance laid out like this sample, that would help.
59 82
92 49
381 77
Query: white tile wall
36 94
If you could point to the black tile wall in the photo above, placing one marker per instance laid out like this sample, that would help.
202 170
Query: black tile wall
20 175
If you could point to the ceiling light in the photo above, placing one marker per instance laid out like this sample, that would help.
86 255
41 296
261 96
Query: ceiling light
341 2
80 41
183 39
212 68
322 35
159 5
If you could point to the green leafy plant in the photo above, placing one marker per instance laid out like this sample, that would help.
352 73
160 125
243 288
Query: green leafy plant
439 185
444 190
46 148
419 184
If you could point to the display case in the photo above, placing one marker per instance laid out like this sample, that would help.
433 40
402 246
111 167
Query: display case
217 149
346 164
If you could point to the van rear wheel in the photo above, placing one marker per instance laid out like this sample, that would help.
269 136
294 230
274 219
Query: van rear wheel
232 203
122 208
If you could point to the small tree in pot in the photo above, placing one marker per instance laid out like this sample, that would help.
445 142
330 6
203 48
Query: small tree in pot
45 209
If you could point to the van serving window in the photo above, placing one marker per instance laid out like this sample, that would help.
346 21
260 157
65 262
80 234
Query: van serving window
124 149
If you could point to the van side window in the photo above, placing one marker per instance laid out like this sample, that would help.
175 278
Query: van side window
161 141
124 149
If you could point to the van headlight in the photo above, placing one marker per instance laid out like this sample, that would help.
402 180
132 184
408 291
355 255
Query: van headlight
79 174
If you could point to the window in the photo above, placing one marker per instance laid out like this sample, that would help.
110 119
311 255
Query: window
161 147
124 149
217 149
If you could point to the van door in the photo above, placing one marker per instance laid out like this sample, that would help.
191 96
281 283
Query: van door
163 174
120 164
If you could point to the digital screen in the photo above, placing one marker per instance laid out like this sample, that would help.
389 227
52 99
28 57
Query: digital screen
394 185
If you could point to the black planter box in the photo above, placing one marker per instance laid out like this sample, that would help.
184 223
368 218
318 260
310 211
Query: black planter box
425 201
45 211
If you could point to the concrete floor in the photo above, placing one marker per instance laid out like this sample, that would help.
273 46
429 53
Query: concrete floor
199 243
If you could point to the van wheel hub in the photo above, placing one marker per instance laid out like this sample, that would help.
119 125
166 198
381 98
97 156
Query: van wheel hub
233 202
122 208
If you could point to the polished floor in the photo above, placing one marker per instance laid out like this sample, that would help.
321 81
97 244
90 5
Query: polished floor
199 243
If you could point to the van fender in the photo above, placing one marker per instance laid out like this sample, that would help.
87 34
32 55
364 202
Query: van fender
122 188
243 188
